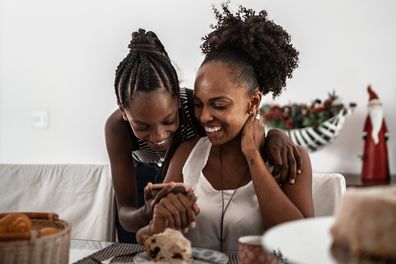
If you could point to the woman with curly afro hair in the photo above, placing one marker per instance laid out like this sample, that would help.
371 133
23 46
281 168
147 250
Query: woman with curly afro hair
247 57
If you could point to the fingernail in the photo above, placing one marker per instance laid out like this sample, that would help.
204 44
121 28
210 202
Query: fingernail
193 224
299 171
185 230
292 181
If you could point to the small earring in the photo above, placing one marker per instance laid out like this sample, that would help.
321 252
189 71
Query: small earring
124 117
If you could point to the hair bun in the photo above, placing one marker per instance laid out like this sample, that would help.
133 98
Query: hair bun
266 46
143 41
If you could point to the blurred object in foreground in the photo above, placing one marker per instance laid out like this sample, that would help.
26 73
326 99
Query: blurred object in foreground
364 226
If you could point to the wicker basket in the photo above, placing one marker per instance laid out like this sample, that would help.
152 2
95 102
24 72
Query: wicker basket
315 138
29 248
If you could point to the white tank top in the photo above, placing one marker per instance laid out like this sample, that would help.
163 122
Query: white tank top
242 216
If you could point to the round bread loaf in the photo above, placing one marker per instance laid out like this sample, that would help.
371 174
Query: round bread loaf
365 222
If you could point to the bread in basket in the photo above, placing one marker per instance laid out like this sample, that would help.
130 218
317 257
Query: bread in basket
33 238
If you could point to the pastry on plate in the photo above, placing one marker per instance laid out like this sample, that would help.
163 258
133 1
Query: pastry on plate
169 246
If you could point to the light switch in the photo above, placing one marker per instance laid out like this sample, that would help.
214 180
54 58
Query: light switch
40 119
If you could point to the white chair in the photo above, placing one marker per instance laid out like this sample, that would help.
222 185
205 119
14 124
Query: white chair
327 189
80 194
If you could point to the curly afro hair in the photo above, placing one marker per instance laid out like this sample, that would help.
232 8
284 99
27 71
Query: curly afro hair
257 47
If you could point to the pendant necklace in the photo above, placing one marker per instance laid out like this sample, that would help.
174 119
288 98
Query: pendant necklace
159 163
161 160
224 209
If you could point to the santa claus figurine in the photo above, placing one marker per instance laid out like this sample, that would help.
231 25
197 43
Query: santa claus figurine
375 155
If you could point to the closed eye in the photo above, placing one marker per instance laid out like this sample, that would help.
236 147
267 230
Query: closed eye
140 127
169 122
219 107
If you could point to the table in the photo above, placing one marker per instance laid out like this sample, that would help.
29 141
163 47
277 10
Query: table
355 180
80 250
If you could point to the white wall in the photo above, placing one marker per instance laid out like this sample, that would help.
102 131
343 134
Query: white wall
60 56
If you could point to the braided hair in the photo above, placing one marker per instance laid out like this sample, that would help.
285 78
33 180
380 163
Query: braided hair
257 48
147 67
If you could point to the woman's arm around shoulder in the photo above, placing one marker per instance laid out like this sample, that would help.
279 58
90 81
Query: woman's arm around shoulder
283 154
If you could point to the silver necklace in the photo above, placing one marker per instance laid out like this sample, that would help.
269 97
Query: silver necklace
159 163
224 209
161 160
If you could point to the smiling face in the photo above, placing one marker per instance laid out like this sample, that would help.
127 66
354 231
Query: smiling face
153 117
221 103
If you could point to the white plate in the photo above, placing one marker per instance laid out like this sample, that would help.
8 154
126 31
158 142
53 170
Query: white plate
305 241
204 256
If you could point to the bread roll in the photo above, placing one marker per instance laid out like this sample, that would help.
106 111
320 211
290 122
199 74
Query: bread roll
15 223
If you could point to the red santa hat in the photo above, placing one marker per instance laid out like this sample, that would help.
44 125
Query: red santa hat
373 97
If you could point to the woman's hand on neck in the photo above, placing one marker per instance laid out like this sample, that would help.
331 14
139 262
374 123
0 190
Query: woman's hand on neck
253 135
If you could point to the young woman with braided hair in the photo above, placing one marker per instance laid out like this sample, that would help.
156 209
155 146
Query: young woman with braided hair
247 56
155 115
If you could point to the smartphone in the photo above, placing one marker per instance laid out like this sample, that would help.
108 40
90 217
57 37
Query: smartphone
178 188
